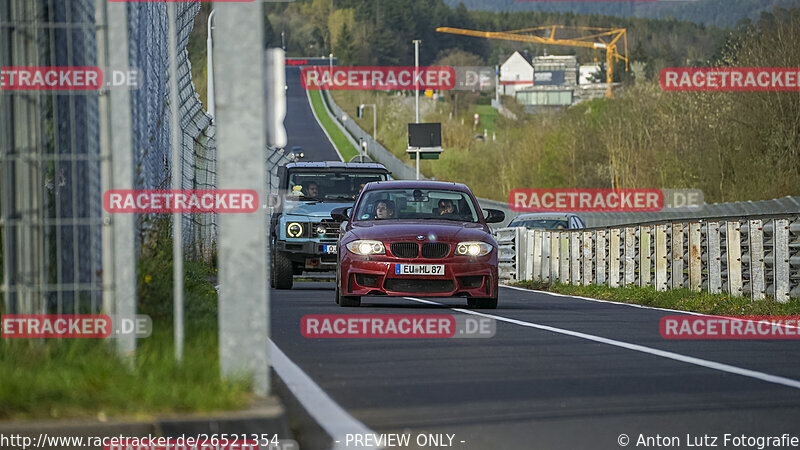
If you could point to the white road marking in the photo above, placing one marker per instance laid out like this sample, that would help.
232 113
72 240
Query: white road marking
634 305
635 347
326 412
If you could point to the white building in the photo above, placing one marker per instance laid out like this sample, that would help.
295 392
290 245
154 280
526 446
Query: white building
549 83
515 73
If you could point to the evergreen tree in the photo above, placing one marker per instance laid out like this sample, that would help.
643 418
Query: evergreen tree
345 50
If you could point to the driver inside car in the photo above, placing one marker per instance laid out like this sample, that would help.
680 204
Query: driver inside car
384 209
312 190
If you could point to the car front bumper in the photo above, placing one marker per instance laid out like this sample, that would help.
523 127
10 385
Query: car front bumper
310 255
463 276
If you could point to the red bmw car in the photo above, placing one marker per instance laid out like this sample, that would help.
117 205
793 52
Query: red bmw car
406 238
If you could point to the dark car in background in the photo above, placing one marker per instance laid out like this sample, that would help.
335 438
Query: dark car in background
303 235
426 238
548 221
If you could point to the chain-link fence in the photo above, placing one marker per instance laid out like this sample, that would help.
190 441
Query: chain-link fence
51 225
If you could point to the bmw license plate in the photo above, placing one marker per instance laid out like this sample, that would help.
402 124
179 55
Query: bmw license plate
329 249
419 269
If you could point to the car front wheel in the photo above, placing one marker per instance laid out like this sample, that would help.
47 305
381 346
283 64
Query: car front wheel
282 271
346 301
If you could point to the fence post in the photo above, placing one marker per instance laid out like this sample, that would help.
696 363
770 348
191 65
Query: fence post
677 256
554 256
661 258
520 256
757 278
630 256
714 261
644 255
613 258
695 257
780 244
544 248
116 122
733 241
587 258
565 257
600 257
533 268
575 257
243 249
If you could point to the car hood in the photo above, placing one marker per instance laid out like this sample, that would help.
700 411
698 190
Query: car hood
409 230
314 210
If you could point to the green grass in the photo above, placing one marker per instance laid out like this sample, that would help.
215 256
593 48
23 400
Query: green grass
679 299
487 118
337 136
85 378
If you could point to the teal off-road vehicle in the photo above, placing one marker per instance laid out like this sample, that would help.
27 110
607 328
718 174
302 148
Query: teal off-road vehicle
303 236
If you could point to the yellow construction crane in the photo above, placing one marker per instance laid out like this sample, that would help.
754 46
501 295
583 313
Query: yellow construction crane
607 39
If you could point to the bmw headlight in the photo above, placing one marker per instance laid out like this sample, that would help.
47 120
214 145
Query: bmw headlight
473 248
366 247
294 230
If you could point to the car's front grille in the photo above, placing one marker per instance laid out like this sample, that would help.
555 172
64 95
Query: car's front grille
331 229
405 249
418 286
435 249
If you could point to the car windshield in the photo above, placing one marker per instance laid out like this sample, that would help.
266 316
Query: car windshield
433 204
547 224
329 186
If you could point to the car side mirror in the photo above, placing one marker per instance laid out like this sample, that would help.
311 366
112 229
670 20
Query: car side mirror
341 214
495 216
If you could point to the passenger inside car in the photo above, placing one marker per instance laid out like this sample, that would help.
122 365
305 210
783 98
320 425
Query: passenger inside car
446 208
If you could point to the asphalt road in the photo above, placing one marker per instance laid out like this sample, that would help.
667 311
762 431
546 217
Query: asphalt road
560 372
529 387
302 128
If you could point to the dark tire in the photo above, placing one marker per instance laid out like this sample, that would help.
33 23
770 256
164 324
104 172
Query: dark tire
346 301
282 271
482 303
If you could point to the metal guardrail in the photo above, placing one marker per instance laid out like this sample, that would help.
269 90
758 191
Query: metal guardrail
755 256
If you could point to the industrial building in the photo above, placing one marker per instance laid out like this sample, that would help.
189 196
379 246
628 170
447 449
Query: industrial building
546 83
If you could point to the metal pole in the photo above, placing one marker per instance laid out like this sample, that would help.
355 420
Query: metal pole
177 172
416 88
212 107
118 129
241 140
497 85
